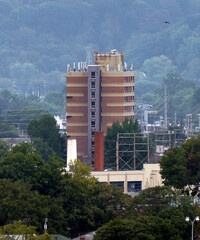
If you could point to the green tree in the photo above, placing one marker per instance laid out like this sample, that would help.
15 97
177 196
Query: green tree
89 204
145 87
32 189
20 230
192 71
4 147
157 67
43 148
180 166
21 163
24 73
156 213
157 200
46 129
196 98
189 48
141 228
179 33
22 117
18 202
178 92
167 204
55 98
9 101
8 131
25 164
51 178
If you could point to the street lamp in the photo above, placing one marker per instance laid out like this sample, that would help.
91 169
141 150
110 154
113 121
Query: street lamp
45 225
187 219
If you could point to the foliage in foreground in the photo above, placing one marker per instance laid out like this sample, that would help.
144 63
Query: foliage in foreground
142 228
19 230
46 137
34 189
155 214
180 167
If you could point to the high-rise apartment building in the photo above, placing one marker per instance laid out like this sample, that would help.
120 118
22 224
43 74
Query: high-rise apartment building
98 95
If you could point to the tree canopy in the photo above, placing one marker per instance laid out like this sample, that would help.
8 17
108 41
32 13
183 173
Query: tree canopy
142 228
45 129
37 42
180 166
19 229
34 189
156 213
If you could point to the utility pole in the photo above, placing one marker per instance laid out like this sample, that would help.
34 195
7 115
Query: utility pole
45 88
199 121
189 124
175 120
141 119
165 106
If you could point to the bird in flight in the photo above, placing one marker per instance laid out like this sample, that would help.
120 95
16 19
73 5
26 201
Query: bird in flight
167 22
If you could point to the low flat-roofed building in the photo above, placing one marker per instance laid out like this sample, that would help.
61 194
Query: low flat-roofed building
134 181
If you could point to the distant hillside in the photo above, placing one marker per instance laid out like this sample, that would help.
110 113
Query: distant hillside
38 39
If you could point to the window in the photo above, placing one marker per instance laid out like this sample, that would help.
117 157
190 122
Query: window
126 79
92 153
128 109
128 89
93 104
92 84
135 186
92 74
93 114
92 134
93 94
92 143
125 99
93 124
129 99
118 184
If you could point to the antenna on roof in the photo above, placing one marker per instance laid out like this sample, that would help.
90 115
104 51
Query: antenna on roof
68 67
89 59
125 66
85 66
118 68
108 68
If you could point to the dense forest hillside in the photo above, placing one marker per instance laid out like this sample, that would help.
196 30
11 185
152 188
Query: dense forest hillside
38 38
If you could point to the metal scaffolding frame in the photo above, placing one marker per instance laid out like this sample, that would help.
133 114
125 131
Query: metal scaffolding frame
169 139
129 149
163 138
178 137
